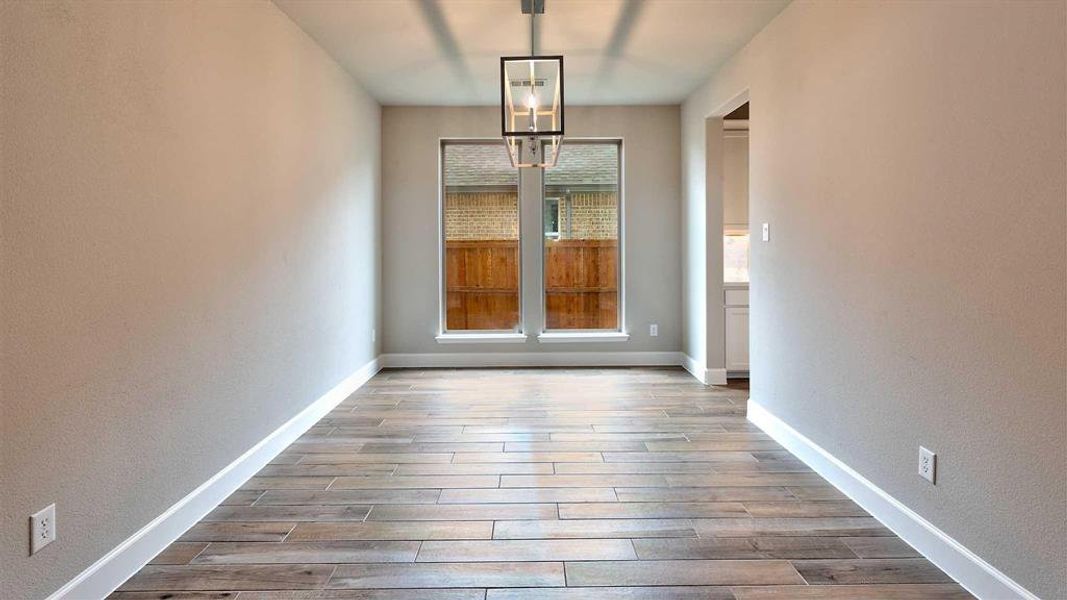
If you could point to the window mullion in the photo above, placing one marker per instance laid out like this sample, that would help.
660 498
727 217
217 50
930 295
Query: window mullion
531 224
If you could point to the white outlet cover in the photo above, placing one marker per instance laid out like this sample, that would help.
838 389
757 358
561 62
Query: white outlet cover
42 528
927 465
653 330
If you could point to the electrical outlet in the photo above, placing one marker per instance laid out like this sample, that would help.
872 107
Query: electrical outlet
653 330
927 465
42 528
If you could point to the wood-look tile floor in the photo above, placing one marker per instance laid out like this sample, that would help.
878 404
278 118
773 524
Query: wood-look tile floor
530 484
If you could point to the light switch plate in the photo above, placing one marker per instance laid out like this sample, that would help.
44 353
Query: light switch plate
766 232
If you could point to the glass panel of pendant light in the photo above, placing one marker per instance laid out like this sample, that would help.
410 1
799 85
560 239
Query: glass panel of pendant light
531 113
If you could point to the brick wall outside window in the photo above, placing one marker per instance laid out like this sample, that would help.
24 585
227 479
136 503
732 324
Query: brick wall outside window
481 216
494 216
594 216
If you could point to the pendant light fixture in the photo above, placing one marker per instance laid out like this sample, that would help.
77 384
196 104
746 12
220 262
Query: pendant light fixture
531 101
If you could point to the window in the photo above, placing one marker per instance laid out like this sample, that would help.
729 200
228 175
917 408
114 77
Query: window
481 238
735 256
581 238
552 218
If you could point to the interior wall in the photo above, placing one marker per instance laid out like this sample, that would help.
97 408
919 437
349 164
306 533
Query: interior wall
651 203
735 179
190 233
712 200
909 158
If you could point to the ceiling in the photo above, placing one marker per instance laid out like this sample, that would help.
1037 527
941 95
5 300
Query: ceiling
447 52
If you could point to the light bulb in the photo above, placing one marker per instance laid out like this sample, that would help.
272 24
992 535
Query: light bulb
531 102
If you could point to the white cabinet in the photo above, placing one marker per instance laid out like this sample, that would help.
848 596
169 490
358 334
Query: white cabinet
736 297
735 303
736 338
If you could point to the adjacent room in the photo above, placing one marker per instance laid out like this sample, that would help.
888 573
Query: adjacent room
533 299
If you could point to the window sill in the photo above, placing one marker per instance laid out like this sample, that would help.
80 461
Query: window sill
481 338
559 337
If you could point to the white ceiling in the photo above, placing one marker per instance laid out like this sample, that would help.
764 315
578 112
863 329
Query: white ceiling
447 52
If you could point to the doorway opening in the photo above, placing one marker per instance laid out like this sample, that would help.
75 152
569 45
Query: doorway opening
736 245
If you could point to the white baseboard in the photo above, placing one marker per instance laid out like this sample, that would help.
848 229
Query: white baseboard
695 368
705 375
976 575
118 565
532 359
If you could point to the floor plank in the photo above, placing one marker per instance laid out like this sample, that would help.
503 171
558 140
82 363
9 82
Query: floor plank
880 547
530 495
682 572
614 593
853 592
521 550
394 594
356 458
651 510
890 570
593 528
825 508
477 469
455 594
289 513
431 575
179 553
384 530
581 481
527 457
347 497
304 552
174 596
229 577
416 482
462 512
716 494
229 531
750 527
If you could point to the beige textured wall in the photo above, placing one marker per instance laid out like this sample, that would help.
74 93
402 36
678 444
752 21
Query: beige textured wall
190 208
910 159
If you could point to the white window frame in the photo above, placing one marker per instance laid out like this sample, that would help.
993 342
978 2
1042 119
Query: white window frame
619 333
445 335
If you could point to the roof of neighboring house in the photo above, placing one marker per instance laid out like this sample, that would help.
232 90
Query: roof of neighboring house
479 165
476 165
585 164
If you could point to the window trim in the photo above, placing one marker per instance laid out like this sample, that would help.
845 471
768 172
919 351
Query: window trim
559 336
480 338
619 333
445 335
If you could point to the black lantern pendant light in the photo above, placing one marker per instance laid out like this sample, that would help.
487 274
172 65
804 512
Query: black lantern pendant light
531 102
